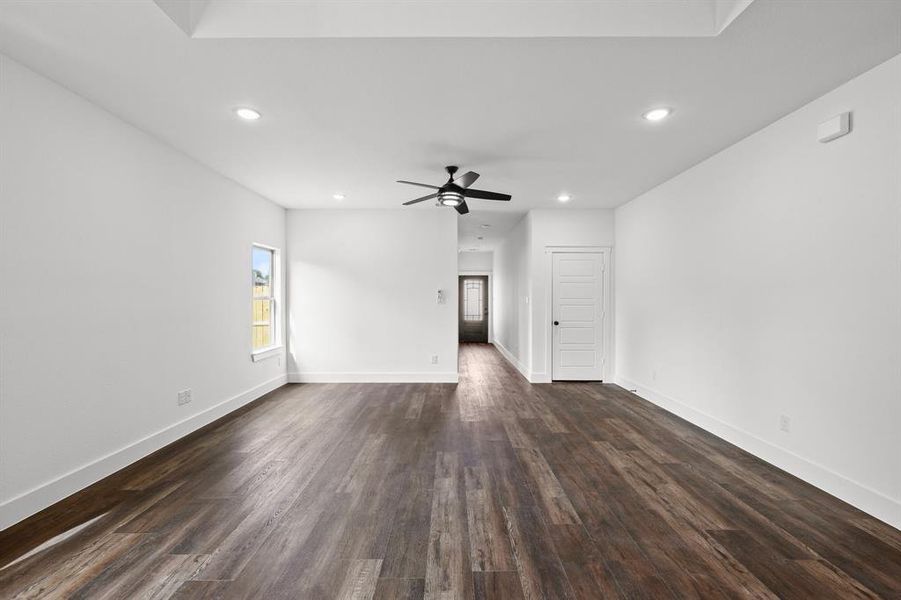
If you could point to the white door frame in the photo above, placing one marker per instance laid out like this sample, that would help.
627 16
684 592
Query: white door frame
465 272
607 318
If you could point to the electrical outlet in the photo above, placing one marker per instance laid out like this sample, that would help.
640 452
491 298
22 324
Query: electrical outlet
434 359
184 396
785 424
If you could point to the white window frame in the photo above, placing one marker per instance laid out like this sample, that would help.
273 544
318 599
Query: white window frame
276 347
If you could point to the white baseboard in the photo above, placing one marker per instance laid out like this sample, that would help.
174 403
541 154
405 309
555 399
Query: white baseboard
531 377
536 377
24 505
856 494
352 377
512 360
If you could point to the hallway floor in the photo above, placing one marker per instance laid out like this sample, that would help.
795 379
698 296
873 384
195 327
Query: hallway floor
492 488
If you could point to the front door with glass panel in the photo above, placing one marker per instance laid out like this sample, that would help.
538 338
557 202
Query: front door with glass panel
474 308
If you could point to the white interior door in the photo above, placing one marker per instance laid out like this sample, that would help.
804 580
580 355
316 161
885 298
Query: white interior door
578 316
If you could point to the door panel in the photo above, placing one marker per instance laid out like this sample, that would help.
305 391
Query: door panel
577 335
473 317
578 358
572 290
573 313
577 281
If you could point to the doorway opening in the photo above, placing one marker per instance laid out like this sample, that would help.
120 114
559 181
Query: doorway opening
473 317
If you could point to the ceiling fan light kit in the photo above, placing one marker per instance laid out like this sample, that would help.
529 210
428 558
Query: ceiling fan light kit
450 198
455 192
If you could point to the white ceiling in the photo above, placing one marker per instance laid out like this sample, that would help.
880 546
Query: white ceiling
451 18
534 116
470 229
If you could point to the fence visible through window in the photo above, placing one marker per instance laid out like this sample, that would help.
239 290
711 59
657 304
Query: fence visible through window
263 318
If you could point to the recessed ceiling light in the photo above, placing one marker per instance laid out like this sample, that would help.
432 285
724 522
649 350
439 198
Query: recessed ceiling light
485 226
657 114
564 198
338 196
248 114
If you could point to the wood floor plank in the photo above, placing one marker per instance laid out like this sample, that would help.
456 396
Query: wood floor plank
546 488
361 580
202 590
489 488
497 585
786 577
448 572
541 574
488 541
408 544
389 588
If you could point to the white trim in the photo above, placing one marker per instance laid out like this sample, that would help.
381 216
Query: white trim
26 504
267 353
866 499
551 249
512 360
389 377
539 377
607 252
531 376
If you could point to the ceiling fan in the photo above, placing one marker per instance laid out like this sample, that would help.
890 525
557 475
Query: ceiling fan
456 191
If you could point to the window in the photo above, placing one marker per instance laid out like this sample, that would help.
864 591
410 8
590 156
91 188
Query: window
264 313
472 300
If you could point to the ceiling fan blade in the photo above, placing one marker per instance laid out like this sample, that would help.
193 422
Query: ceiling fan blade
485 195
467 179
462 208
434 187
429 197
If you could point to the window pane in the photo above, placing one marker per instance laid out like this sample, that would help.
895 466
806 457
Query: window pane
472 300
263 333
262 323
262 272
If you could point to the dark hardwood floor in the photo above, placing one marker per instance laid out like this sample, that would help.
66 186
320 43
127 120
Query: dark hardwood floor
493 488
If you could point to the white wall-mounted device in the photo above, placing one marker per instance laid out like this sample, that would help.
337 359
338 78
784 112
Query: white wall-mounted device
835 127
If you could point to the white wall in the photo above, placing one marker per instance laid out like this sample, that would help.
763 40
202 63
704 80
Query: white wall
126 277
766 282
560 227
363 295
511 296
480 263
522 281
475 261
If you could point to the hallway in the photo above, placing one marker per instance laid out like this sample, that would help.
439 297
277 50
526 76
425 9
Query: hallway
492 488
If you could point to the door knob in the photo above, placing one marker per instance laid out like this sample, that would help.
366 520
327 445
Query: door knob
556 322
